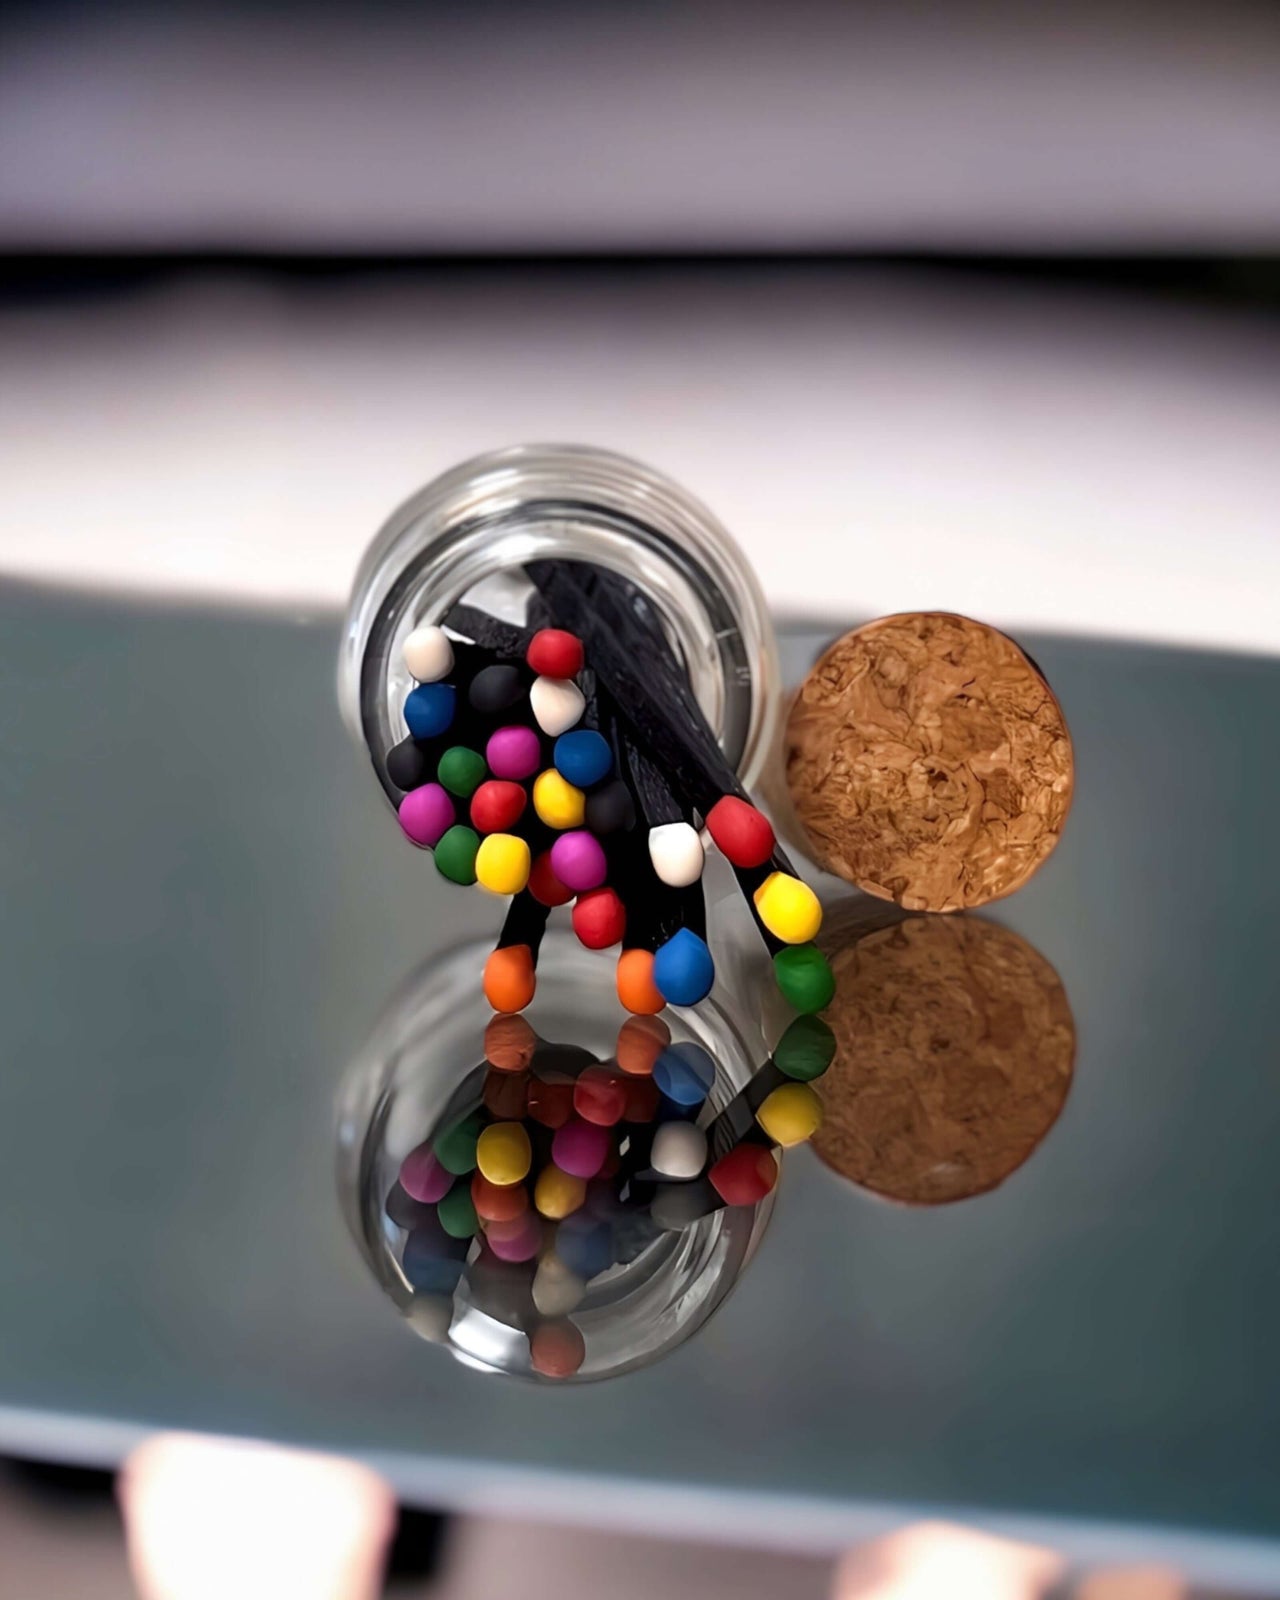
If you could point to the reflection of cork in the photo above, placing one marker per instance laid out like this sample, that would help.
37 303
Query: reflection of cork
954 1054
928 762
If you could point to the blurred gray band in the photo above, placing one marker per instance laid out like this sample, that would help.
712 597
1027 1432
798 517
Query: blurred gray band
575 127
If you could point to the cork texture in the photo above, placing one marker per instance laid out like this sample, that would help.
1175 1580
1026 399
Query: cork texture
928 762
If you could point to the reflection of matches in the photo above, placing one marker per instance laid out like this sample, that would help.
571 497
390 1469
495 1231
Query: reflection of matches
550 1167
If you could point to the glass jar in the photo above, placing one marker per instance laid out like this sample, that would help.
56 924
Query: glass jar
408 1081
466 535
466 538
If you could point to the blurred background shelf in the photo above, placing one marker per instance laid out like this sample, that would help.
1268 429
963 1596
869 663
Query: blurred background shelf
1062 456
831 125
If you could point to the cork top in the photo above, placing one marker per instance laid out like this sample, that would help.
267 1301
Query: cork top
928 762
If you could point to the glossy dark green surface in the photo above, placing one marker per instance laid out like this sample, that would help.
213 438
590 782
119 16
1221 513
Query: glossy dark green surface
205 904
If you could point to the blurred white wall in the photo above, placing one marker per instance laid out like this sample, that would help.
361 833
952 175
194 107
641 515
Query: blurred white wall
1041 458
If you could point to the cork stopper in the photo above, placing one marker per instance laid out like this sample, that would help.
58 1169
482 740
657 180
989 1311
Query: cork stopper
928 762
954 1054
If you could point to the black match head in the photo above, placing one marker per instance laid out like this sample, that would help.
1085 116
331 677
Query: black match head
610 809
408 766
497 688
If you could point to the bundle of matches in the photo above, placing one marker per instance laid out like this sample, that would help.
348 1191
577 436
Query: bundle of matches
589 780
548 1168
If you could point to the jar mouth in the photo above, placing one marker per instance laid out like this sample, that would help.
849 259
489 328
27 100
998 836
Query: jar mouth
477 525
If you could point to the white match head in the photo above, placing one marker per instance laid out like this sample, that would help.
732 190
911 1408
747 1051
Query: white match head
428 654
556 1291
679 1151
676 852
557 704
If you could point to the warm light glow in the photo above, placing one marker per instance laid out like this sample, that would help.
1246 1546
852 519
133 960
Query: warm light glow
935 1561
1132 1583
207 1519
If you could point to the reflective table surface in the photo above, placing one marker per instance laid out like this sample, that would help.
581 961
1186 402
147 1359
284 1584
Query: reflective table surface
205 908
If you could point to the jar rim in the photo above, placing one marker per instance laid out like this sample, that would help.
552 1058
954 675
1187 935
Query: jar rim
582 502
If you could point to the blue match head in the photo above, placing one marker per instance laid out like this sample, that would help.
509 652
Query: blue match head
583 757
585 1245
429 710
433 1274
432 1260
683 969
683 1074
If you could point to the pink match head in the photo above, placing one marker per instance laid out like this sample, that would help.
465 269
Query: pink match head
578 860
516 1240
580 1148
425 814
423 1178
514 753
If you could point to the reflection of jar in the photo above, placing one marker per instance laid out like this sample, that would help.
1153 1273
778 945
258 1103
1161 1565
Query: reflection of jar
467 534
407 1081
